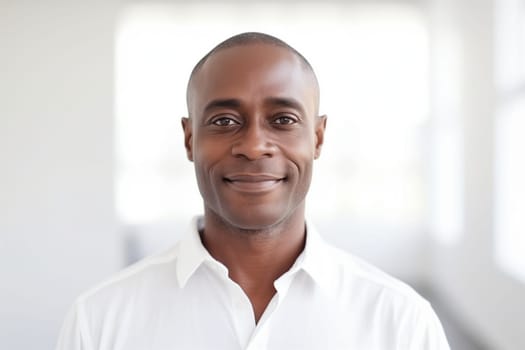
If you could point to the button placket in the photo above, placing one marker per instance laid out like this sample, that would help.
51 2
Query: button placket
242 313
260 337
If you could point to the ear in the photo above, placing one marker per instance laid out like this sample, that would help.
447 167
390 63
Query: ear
188 137
320 126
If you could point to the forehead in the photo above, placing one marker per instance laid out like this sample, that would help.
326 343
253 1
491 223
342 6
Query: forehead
252 73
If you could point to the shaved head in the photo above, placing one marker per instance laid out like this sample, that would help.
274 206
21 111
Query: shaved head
245 39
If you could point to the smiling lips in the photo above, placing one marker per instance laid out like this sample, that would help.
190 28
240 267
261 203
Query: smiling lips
253 183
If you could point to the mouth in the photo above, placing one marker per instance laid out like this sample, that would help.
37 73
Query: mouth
254 183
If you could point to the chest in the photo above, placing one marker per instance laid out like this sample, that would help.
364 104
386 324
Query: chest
209 315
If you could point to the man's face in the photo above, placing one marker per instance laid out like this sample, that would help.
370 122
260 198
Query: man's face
253 134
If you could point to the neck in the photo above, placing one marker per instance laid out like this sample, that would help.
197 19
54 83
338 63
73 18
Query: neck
255 258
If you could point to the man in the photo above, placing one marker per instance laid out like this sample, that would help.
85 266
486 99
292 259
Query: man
252 274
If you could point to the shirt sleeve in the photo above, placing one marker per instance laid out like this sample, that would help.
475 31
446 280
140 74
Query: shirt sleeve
73 334
428 333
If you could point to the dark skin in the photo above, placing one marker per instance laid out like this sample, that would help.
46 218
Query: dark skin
253 133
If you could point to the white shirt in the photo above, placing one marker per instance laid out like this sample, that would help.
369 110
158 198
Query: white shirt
184 299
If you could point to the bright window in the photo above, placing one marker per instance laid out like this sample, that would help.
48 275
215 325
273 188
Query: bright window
371 61
446 219
510 140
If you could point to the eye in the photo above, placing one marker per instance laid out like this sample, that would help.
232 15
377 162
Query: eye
285 120
224 121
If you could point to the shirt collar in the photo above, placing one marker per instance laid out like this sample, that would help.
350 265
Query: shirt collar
191 253
316 259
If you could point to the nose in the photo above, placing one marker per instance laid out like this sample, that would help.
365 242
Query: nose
254 143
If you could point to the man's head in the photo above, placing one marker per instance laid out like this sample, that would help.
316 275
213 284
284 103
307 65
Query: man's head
250 38
253 130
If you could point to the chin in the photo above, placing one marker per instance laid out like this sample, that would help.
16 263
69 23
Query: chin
254 220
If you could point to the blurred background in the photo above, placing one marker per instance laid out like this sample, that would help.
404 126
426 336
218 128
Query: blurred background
422 172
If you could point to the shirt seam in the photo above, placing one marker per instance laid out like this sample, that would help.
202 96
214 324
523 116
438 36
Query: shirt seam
133 270
85 333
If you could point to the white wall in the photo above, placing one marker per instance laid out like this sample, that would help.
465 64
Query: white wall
490 303
57 224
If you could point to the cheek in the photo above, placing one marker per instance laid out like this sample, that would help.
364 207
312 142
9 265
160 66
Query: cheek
301 153
202 178
301 149
203 160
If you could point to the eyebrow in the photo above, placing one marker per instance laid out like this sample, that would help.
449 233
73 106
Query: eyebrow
274 101
222 103
285 102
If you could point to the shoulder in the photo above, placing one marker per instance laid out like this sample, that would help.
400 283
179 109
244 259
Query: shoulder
106 309
352 278
141 277
363 280
387 303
